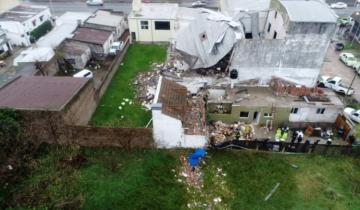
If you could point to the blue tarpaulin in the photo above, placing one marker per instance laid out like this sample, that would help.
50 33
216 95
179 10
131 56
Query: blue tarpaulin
194 158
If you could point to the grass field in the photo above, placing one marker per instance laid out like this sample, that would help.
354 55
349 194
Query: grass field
138 59
115 179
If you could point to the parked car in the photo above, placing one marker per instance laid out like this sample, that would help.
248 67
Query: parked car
84 74
348 59
95 2
346 20
353 114
335 84
199 4
116 47
339 46
338 5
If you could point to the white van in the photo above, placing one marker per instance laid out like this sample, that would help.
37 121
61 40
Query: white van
95 2
84 73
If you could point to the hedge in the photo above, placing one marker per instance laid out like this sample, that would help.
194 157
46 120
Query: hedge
40 31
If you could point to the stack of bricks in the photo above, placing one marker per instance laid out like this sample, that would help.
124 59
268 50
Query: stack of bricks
282 87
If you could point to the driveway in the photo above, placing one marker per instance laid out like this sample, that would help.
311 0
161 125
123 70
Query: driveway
334 67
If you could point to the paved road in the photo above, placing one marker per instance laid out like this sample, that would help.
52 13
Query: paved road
60 6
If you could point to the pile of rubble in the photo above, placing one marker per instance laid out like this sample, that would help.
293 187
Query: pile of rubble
220 132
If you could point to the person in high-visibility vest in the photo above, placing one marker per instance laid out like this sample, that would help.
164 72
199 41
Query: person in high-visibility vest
278 134
284 136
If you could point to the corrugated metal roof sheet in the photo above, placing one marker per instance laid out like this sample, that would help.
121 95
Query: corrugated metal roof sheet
92 35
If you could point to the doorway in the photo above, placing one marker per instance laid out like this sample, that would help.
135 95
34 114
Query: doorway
256 117
133 37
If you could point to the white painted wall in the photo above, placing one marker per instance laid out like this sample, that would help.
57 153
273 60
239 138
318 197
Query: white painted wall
277 24
19 32
150 34
194 141
308 114
107 44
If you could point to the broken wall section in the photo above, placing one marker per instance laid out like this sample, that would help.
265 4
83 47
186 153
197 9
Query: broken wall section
297 59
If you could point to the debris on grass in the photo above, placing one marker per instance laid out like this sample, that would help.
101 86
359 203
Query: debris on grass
272 191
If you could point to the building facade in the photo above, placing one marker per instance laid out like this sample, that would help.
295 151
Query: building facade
20 21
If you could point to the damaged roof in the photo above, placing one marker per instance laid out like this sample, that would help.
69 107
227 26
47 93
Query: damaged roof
40 93
91 35
309 11
173 98
204 37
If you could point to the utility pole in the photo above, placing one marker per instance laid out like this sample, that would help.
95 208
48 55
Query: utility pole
357 30
352 82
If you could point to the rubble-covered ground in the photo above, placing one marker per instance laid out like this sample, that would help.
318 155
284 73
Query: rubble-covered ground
110 178
119 106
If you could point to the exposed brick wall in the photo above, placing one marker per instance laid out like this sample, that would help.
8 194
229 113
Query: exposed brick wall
49 127
282 87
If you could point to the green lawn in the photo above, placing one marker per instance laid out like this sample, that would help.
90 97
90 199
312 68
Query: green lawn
138 59
145 179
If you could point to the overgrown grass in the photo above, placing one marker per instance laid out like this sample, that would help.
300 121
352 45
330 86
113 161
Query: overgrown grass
144 179
138 59
111 179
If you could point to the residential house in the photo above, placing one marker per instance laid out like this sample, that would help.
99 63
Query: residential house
71 99
20 21
152 22
296 37
5 46
42 58
171 126
64 28
75 53
261 106
108 20
99 41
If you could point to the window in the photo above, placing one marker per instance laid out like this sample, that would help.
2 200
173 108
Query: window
275 35
34 22
41 18
268 114
320 111
244 114
162 25
144 25
269 27
275 14
294 110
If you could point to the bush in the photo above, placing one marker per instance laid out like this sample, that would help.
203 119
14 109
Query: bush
40 31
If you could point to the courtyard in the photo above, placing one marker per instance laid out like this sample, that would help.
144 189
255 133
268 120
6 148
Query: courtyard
119 107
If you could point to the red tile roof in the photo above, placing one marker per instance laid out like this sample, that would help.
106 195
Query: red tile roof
40 93
91 35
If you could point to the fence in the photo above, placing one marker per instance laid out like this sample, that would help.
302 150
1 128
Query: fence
286 147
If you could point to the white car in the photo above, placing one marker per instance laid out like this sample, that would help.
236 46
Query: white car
335 84
115 47
338 5
199 4
84 74
348 59
353 114
95 2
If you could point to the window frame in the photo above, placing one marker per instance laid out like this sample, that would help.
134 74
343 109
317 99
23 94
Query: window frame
320 110
144 24
294 110
162 28
248 114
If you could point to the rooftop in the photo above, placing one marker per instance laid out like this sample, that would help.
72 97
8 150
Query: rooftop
40 93
264 97
165 11
74 48
91 35
72 17
106 18
34 54
57 35
248 5
173 97
309 11
21 13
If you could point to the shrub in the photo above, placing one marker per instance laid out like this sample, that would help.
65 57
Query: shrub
40 31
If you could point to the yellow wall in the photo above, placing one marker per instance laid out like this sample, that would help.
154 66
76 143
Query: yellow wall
7 4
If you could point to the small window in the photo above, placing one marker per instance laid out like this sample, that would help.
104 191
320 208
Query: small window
268 114
275 14
294 110
332 82
162 25
244 114
275 35
34 22
269 27
41 18
320 111
144 25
